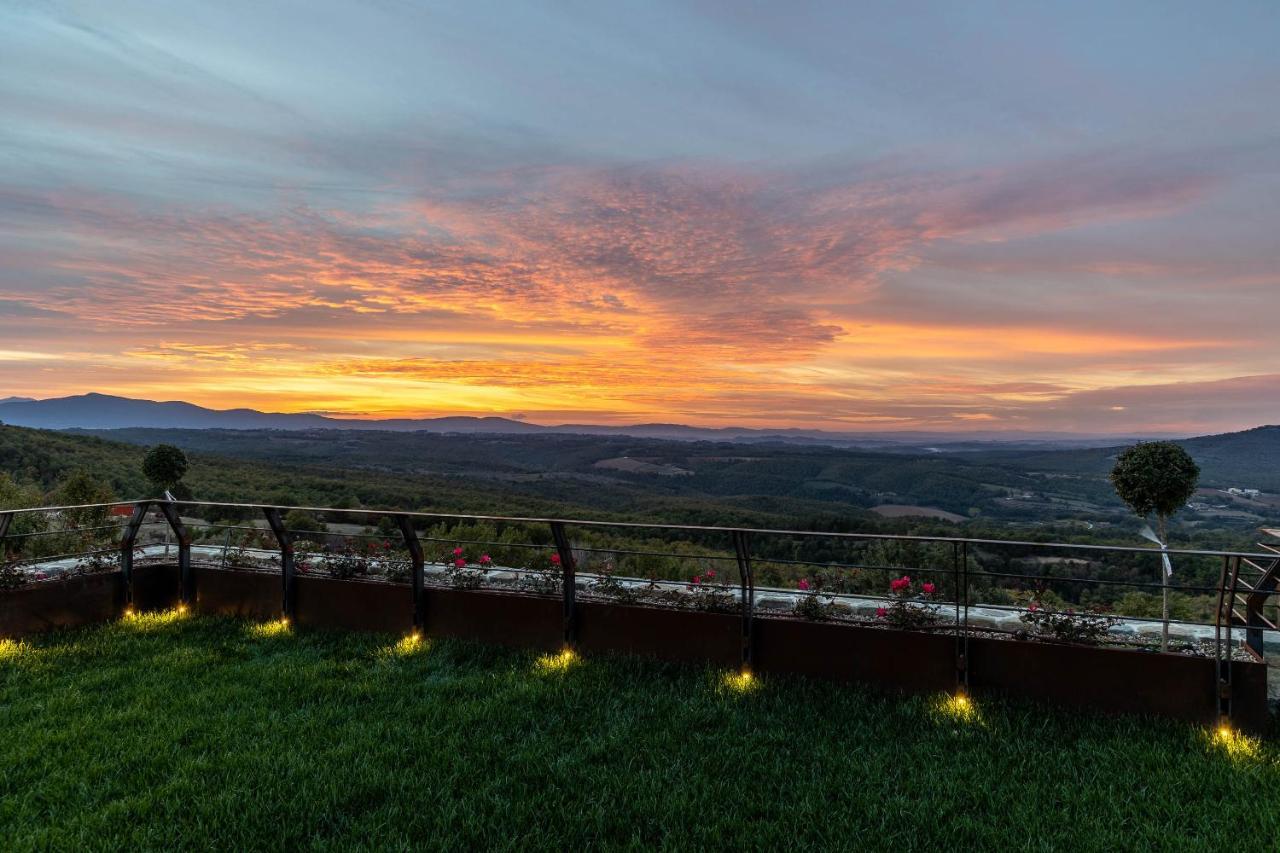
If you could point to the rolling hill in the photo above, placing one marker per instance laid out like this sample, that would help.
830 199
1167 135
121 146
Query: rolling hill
1246 459
102 411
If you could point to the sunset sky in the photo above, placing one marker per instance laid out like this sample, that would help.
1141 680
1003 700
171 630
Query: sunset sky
1030 216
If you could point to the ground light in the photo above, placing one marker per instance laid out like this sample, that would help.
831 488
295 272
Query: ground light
408 644
12 650
152 620
1235 744
276 628
742 681
561 661
959 706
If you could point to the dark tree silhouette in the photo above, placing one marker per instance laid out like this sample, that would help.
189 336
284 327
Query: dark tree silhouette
165 466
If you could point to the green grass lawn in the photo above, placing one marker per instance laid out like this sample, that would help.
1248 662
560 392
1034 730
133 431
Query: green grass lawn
164 732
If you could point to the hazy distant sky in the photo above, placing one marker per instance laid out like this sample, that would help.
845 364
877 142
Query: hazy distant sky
1022 215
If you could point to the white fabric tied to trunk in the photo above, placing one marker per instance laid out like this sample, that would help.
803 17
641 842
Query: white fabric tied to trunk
1149 534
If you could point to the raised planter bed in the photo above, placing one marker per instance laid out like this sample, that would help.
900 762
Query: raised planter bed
680 635
239 592
77 600
495 617
353 605
906 660
64 603
155 586
1110 679
1121 680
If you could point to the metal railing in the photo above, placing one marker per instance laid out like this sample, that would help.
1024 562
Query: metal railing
958 563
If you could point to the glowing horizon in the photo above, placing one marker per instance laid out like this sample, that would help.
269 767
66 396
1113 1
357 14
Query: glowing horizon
840 218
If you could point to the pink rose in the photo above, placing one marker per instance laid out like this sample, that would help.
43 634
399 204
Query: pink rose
804 584
555 559
711 573
460 563
882 612
485 559
457 552
928 588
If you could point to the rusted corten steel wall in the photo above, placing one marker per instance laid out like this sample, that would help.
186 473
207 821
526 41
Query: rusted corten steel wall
83 600
1106 679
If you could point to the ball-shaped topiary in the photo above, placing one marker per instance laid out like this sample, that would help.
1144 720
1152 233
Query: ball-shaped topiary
1155 477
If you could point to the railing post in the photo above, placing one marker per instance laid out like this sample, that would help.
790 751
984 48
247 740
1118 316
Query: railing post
960 575
186 574
1221 677
285 541
742 550
569 586
1226 684
127 539
5 519
419 567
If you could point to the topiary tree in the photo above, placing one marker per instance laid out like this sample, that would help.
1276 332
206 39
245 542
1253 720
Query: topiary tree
165 466
1156 477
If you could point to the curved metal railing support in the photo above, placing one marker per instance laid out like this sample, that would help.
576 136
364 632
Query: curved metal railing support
186 573
128 541
287 570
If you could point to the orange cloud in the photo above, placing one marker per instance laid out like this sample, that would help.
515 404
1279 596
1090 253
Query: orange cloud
623 294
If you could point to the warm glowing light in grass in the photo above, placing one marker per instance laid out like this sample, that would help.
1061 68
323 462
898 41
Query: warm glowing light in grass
11 650
742 681
958 706
182 609
153 620
562 661
1235 744
408 645
276 628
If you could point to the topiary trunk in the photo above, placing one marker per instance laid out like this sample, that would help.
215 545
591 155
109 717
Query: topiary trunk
1164 585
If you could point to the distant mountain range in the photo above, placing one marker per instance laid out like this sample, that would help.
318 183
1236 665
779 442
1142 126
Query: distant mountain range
102 411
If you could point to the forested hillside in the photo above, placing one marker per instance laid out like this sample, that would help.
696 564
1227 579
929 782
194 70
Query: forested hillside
42 460
1248 459
794 480
1062 495
721 482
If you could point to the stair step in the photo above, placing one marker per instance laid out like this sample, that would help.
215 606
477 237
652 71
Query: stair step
1259 569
